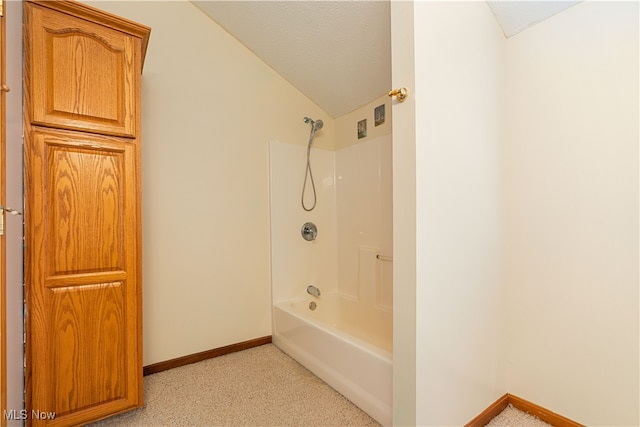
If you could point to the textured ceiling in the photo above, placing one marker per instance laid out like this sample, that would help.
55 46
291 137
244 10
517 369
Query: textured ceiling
516 16
338 53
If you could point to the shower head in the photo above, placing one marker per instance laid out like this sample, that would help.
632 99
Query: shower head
315 124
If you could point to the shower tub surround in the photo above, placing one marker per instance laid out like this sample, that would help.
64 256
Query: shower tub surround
347 339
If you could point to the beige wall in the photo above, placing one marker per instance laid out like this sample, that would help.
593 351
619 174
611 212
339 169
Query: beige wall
404 215
13 224
460 221
573 213
347 125
210 108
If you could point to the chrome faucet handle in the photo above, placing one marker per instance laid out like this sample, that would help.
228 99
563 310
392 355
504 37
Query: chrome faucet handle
313 290
309 231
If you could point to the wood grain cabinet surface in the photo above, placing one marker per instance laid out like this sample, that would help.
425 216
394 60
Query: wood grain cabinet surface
84 76
83 283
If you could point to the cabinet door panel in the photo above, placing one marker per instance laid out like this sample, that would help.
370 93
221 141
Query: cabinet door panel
84 210
84 370
83 290
82 75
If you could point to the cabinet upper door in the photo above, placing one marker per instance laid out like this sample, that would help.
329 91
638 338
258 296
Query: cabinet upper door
83 76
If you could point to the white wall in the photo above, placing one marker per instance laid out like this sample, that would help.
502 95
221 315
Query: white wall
404 216
460 221
364 221
557 230
296 262
364 194
573 213
210 108
353 213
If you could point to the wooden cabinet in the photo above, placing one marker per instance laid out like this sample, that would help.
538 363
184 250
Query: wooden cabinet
82 213
84 76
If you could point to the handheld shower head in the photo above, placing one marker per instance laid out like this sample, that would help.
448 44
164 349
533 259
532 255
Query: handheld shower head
315 124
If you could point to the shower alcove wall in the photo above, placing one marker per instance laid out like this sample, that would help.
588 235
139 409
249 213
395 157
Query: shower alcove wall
351 350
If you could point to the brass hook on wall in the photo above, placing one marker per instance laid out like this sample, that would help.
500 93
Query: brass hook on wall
400 94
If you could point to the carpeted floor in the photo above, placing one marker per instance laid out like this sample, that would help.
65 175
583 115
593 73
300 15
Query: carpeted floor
260 386
511 417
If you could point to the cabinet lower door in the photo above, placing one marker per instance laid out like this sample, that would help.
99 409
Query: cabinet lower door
82 274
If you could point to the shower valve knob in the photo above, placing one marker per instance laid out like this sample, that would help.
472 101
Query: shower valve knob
309 231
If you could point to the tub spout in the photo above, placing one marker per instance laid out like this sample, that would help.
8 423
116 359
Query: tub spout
312 290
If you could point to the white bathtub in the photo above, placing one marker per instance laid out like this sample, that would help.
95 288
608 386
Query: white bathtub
350 352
